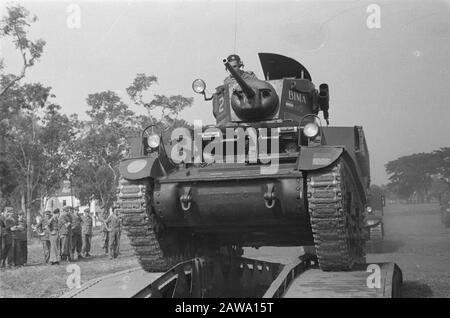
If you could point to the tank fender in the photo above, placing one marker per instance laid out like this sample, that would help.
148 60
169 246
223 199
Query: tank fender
313 158
141 167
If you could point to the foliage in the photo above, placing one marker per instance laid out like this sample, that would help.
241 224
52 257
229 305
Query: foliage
168 106
104 137
14 98
35 138
101 145
15 25
416 174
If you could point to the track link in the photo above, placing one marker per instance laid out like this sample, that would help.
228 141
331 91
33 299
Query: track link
335 210
144 231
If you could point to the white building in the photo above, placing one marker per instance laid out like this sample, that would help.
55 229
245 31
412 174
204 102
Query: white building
64 197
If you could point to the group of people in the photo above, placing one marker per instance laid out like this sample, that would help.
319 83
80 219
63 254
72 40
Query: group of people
13 238
65 235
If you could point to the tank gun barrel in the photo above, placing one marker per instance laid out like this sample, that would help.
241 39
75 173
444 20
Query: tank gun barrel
248 91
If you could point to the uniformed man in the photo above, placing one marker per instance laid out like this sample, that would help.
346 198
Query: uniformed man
2 234
21 236
2 230
105 232
42 229
15 253
237 64
113 225
76 234
65 234
86 232
9 223
53 229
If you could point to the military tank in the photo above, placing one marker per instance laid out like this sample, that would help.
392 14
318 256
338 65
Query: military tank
374 219
268 173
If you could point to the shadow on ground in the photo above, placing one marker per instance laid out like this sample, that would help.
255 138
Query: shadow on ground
419 212
416 289
386 246
391 246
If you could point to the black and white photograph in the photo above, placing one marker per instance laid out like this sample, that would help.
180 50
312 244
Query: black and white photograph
224 150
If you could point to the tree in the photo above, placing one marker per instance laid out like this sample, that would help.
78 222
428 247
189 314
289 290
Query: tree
101 146
35 139
57 138
8 183
408 175
169 107
15 25
441 164
103 138
414 174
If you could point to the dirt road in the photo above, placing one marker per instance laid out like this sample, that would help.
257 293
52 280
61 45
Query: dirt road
420 244
415 239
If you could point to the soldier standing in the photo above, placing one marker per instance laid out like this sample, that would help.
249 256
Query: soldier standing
53 229
86 232
9 223
14 255
105 233
42 228
113 225
2 235
76 235
21 234
65 233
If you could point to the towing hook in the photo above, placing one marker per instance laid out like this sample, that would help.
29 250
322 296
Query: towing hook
269 197
185 199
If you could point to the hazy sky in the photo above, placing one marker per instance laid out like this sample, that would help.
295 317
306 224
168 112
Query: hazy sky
393 80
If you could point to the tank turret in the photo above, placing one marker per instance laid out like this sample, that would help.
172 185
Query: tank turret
253 99
286 93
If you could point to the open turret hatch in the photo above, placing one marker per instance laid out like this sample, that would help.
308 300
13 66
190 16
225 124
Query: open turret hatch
277 66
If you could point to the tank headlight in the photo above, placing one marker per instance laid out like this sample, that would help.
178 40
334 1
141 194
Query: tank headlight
311 130
199 86
369 209
153 141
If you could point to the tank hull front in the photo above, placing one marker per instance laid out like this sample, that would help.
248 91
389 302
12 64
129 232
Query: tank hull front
237 205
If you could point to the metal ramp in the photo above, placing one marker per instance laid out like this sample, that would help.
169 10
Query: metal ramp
315 283
240 277
122 284
243 277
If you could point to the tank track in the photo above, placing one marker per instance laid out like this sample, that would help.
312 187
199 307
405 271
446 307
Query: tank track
376 239
142 227
334 205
